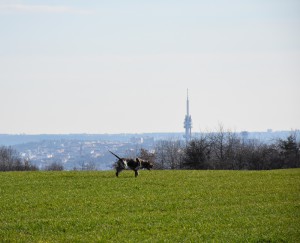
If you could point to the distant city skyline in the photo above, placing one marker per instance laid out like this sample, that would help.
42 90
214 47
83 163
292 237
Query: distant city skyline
124 66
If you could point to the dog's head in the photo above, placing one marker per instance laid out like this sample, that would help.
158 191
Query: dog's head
145 164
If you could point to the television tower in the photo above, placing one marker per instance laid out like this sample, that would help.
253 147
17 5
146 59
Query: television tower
188 121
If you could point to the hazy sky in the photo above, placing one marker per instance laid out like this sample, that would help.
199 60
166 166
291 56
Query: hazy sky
115 66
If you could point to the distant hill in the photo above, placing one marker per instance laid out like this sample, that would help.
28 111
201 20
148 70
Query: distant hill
14 139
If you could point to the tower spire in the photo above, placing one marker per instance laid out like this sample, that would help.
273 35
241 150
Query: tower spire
188 120
187 103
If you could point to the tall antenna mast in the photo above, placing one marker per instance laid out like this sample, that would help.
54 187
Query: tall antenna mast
187 103
188 121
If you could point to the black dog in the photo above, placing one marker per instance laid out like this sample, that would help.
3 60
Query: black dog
133 164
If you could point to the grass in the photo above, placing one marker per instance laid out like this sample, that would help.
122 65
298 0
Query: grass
158 206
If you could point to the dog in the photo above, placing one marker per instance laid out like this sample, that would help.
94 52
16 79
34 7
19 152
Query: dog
133 164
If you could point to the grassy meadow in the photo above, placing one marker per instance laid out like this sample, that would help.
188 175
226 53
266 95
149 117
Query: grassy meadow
158 206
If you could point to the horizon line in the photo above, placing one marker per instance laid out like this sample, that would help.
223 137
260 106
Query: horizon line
138 133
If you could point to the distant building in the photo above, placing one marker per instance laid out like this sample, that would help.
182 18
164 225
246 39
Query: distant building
188 121
138 140
245 136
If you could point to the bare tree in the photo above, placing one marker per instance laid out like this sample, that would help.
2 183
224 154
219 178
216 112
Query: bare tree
225 147
218 144
169 154
147 155
161 154
54 167
86 165
11 161
91 165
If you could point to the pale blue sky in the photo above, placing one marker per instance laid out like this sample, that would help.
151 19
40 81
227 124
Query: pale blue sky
124 66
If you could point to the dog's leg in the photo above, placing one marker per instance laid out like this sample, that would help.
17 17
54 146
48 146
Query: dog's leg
136 173
118 170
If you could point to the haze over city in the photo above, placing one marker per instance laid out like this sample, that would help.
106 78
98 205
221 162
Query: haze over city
124 66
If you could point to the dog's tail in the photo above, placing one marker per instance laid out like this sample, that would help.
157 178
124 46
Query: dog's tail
115 155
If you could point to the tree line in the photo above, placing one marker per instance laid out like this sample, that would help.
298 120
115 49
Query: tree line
225 150
222 150
11 161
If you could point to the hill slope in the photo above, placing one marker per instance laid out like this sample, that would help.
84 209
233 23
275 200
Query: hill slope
171 206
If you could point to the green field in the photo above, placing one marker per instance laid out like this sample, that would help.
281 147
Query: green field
158 206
